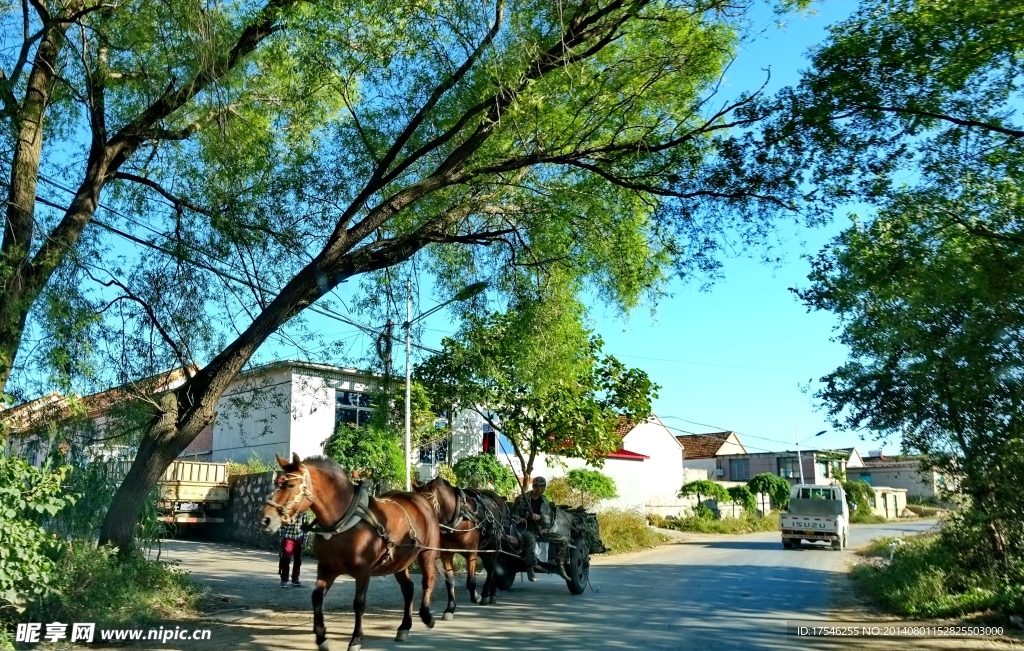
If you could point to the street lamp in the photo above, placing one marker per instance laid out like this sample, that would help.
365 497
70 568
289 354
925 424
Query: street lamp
799 458
464 294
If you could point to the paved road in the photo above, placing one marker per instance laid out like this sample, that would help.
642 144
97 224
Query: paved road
722 593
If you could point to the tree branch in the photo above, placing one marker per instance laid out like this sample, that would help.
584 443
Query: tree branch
963 122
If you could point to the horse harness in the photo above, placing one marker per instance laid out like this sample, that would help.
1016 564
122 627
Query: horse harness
358 511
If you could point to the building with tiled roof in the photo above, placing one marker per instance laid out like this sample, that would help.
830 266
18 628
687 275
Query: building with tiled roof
700 453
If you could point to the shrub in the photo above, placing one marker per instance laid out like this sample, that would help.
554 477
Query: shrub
97 585
254 466
445 472
485 471
952 573
28 496
559 491
749 523
626 531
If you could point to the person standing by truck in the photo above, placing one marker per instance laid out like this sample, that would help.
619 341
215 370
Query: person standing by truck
293 538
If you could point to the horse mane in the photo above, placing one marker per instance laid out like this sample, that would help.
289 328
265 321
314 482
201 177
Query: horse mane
328 466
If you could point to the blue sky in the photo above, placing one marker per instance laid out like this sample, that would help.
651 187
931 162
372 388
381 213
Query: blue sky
745 355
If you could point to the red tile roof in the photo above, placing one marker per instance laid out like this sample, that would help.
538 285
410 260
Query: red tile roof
703 446
623 426
626 454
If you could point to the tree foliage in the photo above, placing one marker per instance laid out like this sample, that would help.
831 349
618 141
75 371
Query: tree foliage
744 497
254 157
28 496
776 488
704 489
376 449
486 472
589 487
536 374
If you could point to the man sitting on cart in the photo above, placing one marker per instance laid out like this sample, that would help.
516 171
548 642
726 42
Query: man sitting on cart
537 512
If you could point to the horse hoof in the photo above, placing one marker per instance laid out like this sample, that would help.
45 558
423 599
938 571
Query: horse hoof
492 600
403 636
448 616
477 599
429 622
324 646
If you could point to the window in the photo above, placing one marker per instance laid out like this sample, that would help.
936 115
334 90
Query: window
434 452
866 478
739 469
823 469
817 494
351 407
490 442
789 467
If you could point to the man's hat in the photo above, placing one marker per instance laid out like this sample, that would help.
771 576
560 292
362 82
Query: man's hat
540 481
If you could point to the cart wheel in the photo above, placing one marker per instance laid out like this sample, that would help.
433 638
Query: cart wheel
579 566
504 573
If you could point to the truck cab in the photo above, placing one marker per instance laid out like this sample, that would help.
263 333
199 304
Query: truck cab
816 513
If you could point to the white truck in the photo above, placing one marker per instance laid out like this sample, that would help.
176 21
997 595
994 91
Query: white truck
816 513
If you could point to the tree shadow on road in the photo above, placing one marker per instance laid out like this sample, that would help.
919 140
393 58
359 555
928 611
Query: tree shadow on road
630 605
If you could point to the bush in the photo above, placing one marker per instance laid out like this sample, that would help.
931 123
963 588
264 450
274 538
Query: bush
254 466
952 573
485 471
626 531
96 585
28 496
749 523
370 451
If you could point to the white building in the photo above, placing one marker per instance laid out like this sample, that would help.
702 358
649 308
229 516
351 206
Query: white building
647 468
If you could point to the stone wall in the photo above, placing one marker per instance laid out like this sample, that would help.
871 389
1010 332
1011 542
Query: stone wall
242 523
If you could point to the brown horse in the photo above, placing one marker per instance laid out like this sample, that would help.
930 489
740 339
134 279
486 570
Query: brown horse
470 520
358 535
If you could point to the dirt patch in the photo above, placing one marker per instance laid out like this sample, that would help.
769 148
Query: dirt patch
850 605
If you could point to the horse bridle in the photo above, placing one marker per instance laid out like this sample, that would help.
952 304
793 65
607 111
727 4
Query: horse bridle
305 483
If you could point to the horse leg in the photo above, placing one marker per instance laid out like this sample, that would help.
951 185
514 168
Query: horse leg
471 577
447 559
323 584
405 582
427 559
490 587
359 607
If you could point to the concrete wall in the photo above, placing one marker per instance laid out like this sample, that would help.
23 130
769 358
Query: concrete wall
312 414
699 469
254 419
907 476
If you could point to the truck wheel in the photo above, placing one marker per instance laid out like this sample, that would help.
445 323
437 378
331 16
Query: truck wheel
787 544
837 544
579 566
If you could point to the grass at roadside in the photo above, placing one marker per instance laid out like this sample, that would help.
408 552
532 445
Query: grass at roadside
743 524
866 518
626 531
926 578
96 586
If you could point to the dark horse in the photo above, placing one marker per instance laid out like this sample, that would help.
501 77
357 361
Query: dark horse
470 520
358 535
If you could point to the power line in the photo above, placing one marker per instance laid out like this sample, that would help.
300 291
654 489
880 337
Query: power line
746 368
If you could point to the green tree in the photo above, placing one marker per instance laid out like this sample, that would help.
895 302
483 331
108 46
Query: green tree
369 451
704 489
928 314
485 471
590 487
744 497
535 373
255 157
858 495
776 488
376 449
